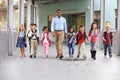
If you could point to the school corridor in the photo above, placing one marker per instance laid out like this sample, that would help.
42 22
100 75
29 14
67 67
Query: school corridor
13 13
17 68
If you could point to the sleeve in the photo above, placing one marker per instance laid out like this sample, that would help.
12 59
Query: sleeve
65 26
104 34
30 34
42 36
86 36
49 36
38 35
89 33
111 35
52 25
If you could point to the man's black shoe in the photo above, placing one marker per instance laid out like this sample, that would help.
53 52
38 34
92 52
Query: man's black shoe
30 56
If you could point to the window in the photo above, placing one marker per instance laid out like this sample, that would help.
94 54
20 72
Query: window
97 18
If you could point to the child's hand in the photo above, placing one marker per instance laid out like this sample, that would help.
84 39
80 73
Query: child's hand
104 40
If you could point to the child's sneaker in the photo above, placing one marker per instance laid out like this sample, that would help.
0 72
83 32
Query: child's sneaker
78 56
46 56
34 56
30 56
84 57
110 56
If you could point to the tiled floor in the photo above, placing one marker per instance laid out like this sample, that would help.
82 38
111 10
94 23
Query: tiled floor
17 68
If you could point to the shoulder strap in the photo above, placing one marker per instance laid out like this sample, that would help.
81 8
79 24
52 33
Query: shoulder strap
105 34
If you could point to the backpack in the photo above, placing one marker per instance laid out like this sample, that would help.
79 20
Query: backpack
49 41
35 36
111 36
28 34
77 39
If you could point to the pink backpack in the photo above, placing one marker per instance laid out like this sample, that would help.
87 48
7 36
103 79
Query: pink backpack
49 41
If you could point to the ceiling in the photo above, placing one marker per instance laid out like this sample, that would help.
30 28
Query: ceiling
47 1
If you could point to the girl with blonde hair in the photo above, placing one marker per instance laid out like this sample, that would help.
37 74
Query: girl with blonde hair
21 40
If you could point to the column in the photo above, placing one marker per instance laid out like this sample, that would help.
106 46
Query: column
28 14
102 6
92 11
118 29
21 11
37 15
10 22
34 13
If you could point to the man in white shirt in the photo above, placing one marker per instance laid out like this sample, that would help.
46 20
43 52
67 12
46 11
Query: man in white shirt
58 28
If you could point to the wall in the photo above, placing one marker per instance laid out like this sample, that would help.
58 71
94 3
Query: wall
78 6
69 7
4 42
110 6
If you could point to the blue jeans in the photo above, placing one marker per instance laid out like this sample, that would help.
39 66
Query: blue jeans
71 47
107 46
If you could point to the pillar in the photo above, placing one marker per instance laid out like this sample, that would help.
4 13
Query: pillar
36 15
92 11
102 23
28 14
118 29
21 11
10 22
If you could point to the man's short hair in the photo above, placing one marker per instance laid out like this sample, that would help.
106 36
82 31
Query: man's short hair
58 10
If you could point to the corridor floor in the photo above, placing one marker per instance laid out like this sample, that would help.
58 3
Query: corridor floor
17 68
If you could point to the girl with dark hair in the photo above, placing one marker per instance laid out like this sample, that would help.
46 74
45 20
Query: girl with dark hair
46 42
71 41
93 33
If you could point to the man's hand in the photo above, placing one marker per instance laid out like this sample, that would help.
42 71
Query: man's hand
53 34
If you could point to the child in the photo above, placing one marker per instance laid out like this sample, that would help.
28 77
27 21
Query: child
93 33
34 35
71 41
29 38
107 41
81 36
46 40
21 40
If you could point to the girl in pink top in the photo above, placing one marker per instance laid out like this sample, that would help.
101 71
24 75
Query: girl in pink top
93 34
46 40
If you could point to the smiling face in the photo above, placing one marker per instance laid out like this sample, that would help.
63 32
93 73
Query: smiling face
33 27
82 29
46 29
21 28
58 13
71 29
94 26
107 28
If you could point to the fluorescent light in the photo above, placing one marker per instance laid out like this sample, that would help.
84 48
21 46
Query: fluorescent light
25 1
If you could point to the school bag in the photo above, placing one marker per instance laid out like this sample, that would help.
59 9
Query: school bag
111 36
35 36
49 41
78 38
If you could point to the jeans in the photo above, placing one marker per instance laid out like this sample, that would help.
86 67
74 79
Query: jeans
71 47
109 49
